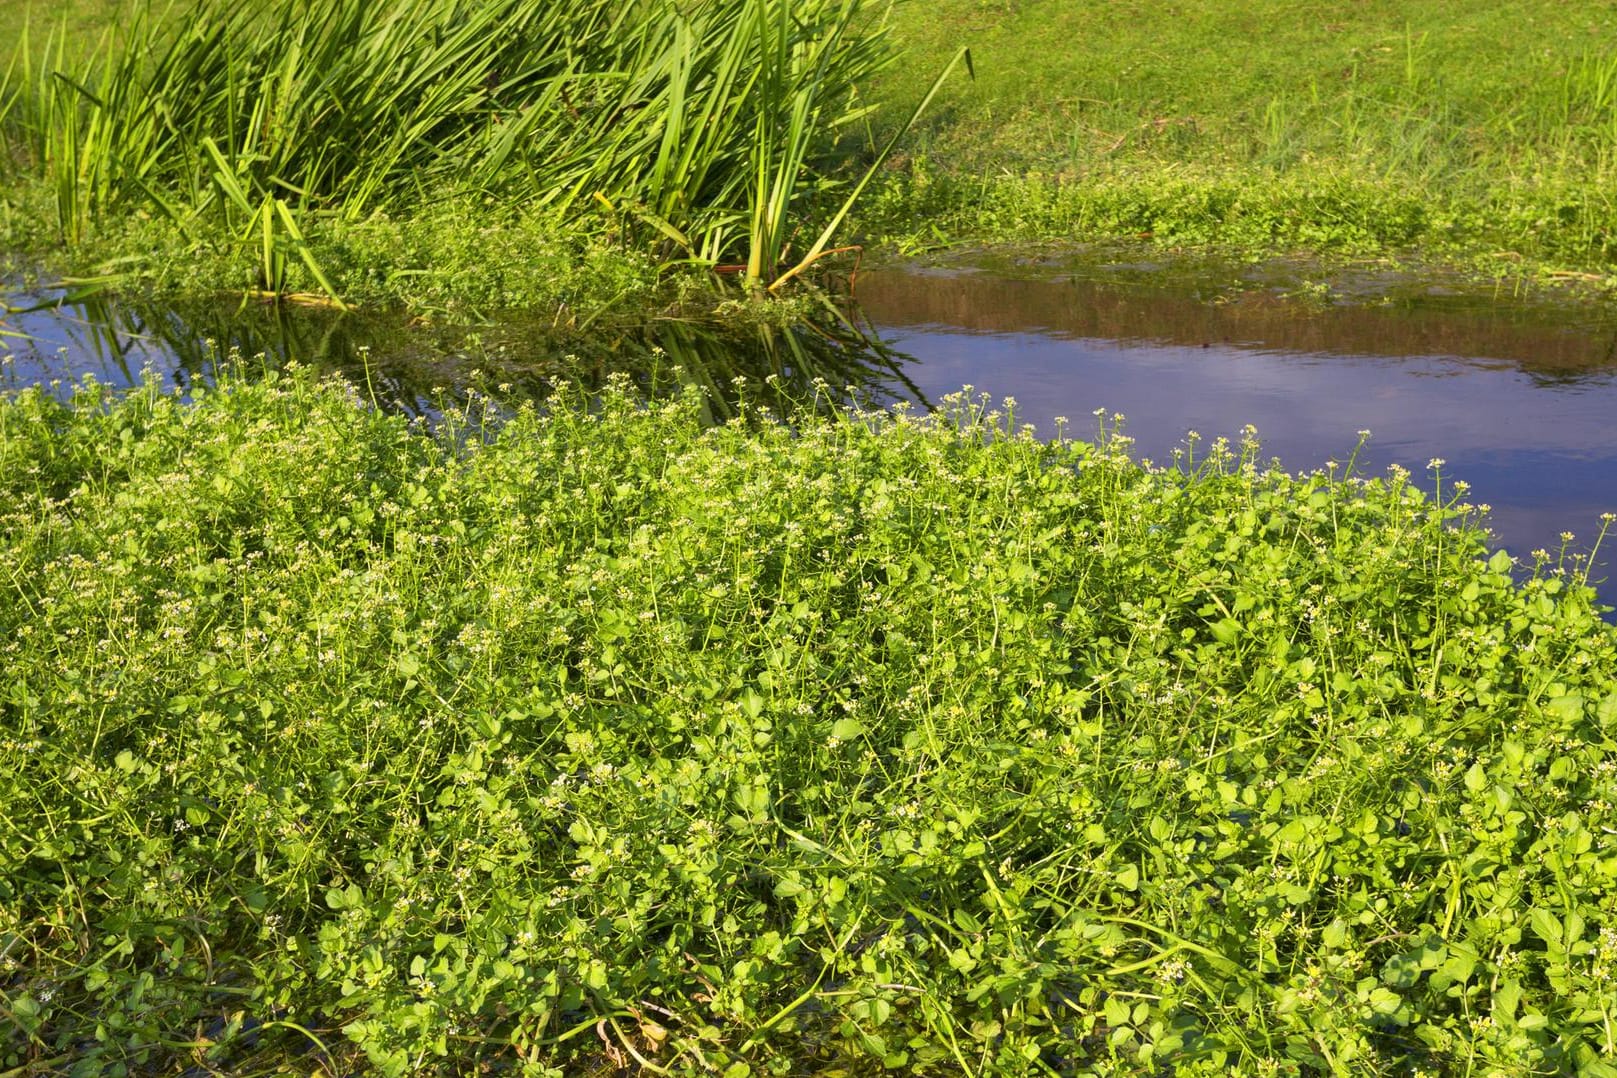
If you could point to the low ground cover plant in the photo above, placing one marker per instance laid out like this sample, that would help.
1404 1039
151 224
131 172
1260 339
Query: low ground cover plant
595 736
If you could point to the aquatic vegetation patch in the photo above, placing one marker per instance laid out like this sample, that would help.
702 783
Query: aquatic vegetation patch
1523 231
602 736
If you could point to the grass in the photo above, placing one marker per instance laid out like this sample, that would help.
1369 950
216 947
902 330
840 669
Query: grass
88 18
598 737
1464 129
466 255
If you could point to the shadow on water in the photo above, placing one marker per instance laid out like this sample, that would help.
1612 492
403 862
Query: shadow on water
416 367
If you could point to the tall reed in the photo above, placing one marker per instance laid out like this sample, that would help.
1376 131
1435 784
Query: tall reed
706 128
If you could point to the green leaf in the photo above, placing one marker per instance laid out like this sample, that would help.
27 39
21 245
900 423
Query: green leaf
847 729
1566 708
1546 926
1506 998
345 898
967 922
1385 1001
1459 966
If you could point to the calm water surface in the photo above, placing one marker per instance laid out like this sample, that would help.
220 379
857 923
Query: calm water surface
1519 399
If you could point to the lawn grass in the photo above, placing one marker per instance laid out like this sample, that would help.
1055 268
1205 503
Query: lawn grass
1458 127
602 738
89 19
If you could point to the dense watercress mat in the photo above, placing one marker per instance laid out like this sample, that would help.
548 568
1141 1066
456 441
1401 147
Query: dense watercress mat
594 736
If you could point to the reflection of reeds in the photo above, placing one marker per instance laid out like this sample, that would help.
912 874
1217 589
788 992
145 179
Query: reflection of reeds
90 334
702 128
820 363
828 358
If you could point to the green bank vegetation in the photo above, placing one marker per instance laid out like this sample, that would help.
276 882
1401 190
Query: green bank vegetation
600 737
1459 128
593 735
628 145
274 136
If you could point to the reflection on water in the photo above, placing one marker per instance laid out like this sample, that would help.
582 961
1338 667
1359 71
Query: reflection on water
1549 344
1518 399
414 366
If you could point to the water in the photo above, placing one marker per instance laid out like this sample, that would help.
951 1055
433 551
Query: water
1517 398
416 367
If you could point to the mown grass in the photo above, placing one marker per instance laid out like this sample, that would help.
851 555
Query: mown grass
1463 128
88 18
600 737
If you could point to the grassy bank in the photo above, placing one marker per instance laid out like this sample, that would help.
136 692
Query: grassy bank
1466 130
464 254
1462 133
602 738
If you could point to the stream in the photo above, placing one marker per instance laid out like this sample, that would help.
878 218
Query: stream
1517 397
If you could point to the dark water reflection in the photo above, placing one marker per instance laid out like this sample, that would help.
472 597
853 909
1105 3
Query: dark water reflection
1519 399
417 367
1551 344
